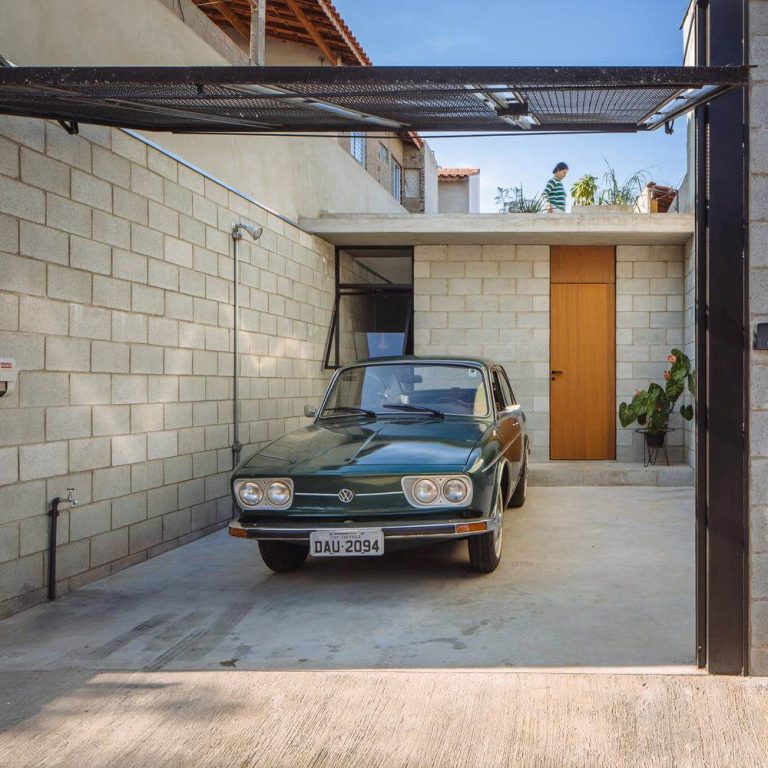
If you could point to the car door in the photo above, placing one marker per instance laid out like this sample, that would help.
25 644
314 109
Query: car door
510 420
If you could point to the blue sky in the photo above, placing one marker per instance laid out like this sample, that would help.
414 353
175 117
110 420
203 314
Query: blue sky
512 32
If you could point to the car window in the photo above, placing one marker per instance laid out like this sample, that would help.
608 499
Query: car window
509 395
498 392
454 389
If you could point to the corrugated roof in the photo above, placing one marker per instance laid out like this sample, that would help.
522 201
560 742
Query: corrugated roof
456 174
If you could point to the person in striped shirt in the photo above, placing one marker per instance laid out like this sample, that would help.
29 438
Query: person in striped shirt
554 192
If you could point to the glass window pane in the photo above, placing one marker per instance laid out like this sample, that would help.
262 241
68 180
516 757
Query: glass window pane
454 389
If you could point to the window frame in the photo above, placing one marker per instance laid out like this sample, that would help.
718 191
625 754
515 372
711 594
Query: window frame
333 340
359 139
396 172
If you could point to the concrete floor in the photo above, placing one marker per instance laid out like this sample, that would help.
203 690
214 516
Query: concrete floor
591 577
357 663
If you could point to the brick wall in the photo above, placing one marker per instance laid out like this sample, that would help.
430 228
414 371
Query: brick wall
758 301
493 301
116 301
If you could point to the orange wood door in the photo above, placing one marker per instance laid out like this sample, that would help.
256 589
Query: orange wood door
583 347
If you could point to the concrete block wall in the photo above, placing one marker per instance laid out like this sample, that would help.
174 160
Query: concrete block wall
490 301
649 324
116 300
758 313
493 301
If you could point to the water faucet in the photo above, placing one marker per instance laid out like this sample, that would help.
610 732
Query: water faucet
71 497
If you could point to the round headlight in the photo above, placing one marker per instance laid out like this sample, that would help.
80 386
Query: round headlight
250 494
425 491
279 493
455 490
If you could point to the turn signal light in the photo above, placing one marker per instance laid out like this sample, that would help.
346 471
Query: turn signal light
471 527
239 532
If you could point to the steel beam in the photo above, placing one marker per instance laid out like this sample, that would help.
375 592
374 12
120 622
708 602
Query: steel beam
726 349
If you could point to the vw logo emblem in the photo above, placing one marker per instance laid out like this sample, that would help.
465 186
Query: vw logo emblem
346 495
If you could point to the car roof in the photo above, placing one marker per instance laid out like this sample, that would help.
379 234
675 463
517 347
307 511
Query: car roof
424 359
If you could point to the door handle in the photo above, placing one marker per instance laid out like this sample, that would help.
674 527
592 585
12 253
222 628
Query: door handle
554 374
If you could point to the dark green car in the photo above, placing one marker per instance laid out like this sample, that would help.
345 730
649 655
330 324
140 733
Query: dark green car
401 448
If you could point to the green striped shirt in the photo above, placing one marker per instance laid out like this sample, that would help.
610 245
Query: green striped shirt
554 194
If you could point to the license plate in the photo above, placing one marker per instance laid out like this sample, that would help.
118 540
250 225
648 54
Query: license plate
363 542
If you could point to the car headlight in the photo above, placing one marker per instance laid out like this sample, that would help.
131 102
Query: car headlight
425 490
455 490
250 494
278 493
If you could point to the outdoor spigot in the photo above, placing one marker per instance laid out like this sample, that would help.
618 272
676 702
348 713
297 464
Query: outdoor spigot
71 497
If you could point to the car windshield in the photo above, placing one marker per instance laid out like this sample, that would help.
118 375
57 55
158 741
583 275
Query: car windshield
408 388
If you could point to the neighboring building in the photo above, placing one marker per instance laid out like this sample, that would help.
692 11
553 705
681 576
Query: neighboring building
458 190
296 176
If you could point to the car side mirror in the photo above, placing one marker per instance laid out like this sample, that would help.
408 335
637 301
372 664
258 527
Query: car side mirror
310 411
516 408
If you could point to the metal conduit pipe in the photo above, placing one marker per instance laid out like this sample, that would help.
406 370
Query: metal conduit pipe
53 512
238 227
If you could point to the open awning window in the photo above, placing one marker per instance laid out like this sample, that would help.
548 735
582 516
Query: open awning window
337 99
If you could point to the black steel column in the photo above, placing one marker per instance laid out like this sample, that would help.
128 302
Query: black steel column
725 363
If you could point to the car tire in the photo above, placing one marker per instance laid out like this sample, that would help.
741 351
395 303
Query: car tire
485 549
518 497
283 556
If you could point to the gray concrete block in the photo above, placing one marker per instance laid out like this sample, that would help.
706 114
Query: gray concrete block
65 354
111 229
145 476
19 199
20 576
91 190
24 276
176 524
90 389
25 425
72 558
43 460
9 465
38 388
90 520
145 534
90 255
111 482
106 547
92 453
67 423
43 243
129 327
128 449
9 542
90 322
70 216
109 357
127 510
69 284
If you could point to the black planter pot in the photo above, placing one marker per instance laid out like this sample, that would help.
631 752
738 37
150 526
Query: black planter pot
655 446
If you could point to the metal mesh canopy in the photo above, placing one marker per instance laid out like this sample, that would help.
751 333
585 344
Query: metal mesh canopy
333 99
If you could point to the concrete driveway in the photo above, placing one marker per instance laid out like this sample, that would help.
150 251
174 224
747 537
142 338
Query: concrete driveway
202 658
591 577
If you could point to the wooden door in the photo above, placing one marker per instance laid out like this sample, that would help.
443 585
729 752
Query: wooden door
583 353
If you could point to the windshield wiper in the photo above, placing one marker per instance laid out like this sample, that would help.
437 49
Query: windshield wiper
350 409
415 409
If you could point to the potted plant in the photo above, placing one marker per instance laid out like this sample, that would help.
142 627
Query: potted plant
652 408
622 197
514 201
584 191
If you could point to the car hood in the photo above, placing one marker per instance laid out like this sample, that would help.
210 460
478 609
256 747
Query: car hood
408 445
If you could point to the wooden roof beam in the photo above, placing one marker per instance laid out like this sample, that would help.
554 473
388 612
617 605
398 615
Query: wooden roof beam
238 23
317 38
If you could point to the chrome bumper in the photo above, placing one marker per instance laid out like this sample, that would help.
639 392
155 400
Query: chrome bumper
419 529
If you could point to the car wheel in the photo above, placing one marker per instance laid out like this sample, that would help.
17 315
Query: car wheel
283 556
518 497
485 549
